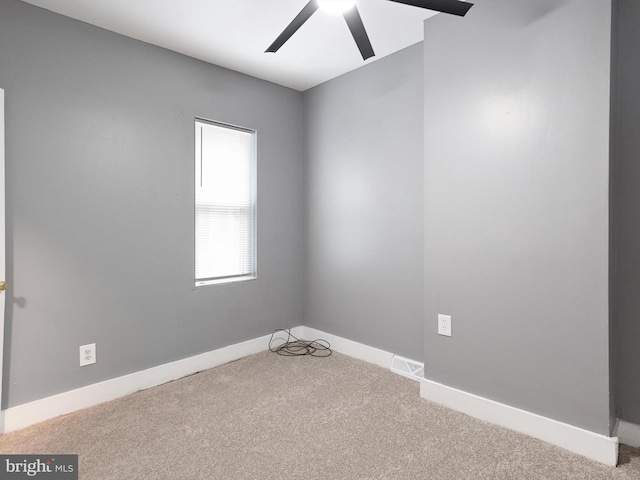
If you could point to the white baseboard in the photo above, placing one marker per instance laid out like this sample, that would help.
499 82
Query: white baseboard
629 433
597 447
583 442
357 350
22 416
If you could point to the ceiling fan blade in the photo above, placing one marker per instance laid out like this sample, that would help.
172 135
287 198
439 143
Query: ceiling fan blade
293 27
352 16
453 7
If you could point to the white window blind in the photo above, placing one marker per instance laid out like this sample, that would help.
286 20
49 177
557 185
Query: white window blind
224 203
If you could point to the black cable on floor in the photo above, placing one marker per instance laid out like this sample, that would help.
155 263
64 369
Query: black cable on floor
294 347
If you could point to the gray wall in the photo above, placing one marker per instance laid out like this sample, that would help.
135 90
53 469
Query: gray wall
363 272
516 205
99 154
626 209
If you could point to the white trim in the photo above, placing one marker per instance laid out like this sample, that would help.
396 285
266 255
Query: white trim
22 416
3 295
589 444
629 433
583 442
357 350
226 281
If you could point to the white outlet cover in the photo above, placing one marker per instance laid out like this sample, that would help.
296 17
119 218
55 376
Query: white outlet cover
87 354
444 325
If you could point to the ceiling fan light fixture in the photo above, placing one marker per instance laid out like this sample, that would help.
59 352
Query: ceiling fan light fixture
350 13
336 6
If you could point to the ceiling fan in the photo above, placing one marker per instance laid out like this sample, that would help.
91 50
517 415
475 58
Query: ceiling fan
350 12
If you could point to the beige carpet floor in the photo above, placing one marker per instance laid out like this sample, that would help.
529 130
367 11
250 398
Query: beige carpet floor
268 416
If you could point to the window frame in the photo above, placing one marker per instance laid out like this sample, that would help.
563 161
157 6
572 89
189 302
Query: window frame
243 277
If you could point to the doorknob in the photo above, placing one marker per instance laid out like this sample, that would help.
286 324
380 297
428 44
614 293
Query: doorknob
3 286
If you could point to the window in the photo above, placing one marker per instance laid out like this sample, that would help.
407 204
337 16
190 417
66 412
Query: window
225 203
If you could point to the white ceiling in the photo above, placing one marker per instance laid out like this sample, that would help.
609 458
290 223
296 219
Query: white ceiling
235 33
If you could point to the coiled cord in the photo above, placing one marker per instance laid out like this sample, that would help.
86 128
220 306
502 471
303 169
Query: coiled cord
294 347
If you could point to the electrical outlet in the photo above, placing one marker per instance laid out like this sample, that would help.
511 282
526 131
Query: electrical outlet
444 325
87 354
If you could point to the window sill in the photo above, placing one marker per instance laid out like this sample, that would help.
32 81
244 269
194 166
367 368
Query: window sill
225 281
